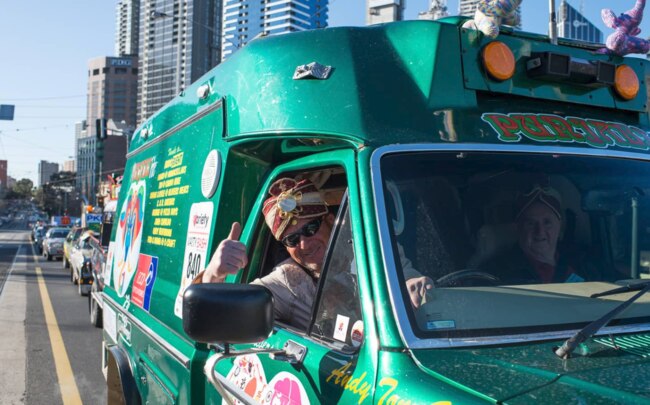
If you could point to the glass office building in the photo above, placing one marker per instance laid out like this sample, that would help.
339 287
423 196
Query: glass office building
243 20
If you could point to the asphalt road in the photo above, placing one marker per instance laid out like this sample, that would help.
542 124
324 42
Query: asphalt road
42 379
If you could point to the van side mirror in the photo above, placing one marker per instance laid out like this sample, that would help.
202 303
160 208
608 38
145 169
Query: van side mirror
227 313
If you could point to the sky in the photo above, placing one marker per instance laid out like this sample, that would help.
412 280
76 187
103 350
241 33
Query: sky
45 47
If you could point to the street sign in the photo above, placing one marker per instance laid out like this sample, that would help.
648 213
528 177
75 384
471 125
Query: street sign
7 112
93 218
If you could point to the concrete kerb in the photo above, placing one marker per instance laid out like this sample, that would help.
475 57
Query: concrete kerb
13 309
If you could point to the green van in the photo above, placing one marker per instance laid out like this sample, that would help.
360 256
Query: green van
429 142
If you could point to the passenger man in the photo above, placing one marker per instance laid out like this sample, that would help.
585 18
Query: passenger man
299 218
536 258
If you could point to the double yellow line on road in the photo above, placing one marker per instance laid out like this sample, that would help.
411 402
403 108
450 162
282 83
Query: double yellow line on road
69 391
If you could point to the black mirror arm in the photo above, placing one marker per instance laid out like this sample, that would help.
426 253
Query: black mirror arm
226 389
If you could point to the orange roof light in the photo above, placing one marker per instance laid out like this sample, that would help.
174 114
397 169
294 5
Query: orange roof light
498 60
626 82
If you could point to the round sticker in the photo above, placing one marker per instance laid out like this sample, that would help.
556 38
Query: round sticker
356 335
211 173
248 375
284 388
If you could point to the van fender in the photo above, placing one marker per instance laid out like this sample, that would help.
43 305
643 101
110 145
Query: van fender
121 386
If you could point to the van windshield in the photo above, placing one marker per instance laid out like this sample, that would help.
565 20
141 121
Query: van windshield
516 243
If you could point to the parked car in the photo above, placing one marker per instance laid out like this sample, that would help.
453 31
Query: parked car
39 234
70 240
53 243
80 263
95 301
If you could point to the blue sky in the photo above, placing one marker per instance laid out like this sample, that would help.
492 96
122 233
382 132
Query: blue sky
45 47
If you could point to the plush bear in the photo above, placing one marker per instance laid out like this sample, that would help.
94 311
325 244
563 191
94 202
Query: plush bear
624 39
490 14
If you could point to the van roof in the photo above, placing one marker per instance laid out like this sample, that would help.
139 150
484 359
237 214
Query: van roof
412 85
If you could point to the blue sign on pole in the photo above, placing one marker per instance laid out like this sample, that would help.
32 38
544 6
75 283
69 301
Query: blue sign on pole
7 112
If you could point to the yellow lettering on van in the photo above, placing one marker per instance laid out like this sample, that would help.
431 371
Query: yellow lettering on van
175 161
389 399
184 190
356 385
173 212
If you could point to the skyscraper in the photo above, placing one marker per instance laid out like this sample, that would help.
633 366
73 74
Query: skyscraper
572 24
45 171
243 20
437 9
384 11
112 91
127 27
178 43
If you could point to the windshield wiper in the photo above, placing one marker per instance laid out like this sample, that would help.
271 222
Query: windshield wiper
620 290
588 331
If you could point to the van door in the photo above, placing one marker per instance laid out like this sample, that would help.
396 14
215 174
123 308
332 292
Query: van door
333 362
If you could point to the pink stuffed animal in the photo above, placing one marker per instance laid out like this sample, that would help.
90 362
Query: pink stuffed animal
624 40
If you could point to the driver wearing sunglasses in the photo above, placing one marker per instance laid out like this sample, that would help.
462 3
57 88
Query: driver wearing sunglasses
299 218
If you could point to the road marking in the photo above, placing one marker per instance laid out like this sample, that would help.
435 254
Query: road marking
69 391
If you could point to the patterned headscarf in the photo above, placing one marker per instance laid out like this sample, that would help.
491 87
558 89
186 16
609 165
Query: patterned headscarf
545 195
291 199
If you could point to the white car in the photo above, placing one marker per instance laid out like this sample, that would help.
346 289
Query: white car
53 243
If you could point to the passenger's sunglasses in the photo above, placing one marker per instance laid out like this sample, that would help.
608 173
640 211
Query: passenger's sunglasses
308 230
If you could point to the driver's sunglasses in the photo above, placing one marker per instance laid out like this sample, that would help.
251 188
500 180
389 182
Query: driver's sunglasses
308 230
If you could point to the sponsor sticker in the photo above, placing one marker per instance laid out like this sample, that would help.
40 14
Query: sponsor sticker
341 328
356 334
248 375
110 322
284 388
196 248
144 280
108 265
128 237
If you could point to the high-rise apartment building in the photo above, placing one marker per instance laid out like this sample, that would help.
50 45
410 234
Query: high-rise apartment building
126 30
572 24
112 90
46 170
179 41
384 11
243 20
468 8
437 9
68 166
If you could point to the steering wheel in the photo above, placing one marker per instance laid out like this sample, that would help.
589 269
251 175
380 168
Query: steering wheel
463 278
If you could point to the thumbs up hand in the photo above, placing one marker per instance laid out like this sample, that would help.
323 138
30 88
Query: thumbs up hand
228 258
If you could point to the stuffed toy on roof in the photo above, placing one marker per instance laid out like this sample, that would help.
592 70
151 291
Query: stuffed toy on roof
491 14
624 39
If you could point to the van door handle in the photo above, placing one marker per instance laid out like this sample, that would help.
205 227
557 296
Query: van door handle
292 353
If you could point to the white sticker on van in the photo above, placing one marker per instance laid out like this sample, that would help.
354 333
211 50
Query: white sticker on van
110 322
128 237
196 248
108 264
248 375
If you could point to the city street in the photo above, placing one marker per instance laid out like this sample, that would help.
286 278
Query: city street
49 351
